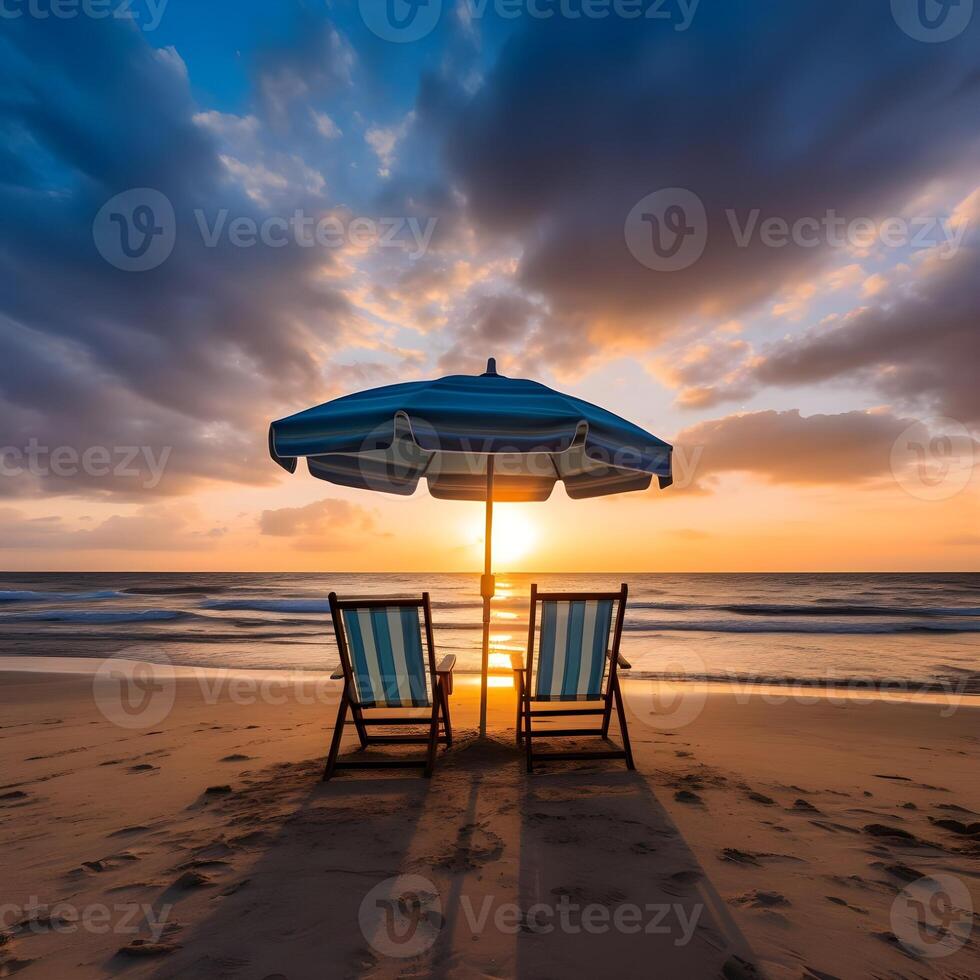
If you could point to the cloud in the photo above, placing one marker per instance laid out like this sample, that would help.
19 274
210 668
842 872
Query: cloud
384 140
151 528
790 448
325 525
579 120
325 126
919 344
196 354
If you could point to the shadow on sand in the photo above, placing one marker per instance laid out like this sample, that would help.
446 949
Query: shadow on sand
573 871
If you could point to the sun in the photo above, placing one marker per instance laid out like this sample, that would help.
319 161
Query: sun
514 534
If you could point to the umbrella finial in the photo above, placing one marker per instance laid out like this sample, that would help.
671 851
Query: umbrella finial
491 371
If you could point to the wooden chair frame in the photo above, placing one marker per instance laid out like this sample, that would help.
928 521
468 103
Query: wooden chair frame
524 675
440 727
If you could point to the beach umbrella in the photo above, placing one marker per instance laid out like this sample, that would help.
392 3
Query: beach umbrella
484 438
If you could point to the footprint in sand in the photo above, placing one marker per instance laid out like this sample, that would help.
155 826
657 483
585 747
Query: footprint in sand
804 806
686 796
734 855
957 826
9 965
845 905
736 968
128 831
895 835
101 865
144 948
188 881
756 899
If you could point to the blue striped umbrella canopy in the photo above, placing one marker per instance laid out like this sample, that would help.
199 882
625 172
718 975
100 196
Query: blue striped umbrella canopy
445 431
485 437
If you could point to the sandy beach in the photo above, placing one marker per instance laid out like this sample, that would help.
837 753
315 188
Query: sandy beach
763 835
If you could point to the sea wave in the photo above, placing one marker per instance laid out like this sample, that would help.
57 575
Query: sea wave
270 605
27 596
789 626
89 616
822 608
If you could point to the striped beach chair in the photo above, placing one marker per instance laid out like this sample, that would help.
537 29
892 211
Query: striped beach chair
384 667
572 659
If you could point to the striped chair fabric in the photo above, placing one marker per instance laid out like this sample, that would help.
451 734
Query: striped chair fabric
389 667
572 645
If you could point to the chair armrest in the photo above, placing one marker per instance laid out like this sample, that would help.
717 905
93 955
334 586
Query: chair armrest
338 674
517 662
445 666
621 661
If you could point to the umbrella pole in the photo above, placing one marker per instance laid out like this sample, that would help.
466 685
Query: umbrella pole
487 591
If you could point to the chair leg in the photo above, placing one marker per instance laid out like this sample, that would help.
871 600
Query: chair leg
433 737
444 695
520 705
358 716
607 714
624 729
527 732
338 734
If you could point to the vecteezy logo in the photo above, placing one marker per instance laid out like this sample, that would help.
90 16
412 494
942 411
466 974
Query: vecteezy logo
933 916
135 231
401 916
674 697
667 230
933 459
134 693
932 20
400 20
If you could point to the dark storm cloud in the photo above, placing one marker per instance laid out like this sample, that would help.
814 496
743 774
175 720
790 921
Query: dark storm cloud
921 347
492 324
791 108
186 355
917 345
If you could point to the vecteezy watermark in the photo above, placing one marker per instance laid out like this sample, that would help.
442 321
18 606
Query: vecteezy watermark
932 916
673 695
668 231
136 231
135 693
834 230
145 14
303 230
402 917
402 21
137 687
932 21
934 459
665 701
142 463
591 918
121 918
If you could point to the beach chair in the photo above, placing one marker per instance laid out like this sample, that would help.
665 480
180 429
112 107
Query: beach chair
383 666
576 662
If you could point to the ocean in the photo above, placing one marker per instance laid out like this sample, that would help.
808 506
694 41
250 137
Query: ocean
918 630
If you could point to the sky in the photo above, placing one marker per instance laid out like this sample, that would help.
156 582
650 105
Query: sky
748 227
